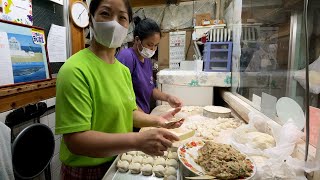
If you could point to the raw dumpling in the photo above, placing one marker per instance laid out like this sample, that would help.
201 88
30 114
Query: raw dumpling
170 178
146 170
135 168
170 171
137 159
172 163
160 161
123 166
148 160
165 154
126 157
173 155
140 153
158 171
132 153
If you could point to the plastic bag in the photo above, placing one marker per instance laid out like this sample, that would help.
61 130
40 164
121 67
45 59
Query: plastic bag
277 162
314 77
286 139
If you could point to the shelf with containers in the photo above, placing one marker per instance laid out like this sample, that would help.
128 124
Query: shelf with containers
217 56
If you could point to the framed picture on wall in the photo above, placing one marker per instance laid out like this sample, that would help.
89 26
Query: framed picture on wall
18 11
24 57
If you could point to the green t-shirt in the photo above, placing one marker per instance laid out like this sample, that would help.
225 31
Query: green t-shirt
92 95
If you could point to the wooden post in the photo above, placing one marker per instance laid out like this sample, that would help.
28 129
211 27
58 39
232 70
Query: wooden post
218 6
77 34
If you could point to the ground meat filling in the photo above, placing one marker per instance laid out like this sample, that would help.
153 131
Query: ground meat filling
223 161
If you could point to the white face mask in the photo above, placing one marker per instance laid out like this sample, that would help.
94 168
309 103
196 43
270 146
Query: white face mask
109 34
146 53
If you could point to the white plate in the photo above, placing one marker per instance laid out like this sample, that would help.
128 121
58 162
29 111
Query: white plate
189 151
288 108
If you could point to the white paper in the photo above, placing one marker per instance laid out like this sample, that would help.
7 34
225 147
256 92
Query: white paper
58 1
6 72
57 40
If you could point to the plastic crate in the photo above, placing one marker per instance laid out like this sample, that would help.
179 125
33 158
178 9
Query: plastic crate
217 56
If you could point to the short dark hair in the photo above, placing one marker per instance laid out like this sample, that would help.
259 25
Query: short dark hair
95 4
145 28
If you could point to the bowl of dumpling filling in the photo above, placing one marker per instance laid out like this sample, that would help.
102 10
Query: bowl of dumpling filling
221 161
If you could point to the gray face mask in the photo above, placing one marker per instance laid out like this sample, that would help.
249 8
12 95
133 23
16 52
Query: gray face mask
109 34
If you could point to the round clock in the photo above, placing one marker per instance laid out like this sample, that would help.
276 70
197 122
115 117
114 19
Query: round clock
80 14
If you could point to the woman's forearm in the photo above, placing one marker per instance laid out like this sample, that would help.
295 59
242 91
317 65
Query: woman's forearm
158 95
141 119
98 144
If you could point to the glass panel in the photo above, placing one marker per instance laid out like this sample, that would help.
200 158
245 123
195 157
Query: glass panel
268 51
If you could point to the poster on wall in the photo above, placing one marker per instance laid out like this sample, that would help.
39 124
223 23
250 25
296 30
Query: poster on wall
23 54
177 44
18 11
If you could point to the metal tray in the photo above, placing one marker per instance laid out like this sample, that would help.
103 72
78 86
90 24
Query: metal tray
113 174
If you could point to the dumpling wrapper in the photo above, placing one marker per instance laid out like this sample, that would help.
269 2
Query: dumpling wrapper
173 155
137 159
132 153
158 171
170 171
172 163
146 170
148 160
135 168
160 161
123 166
126 157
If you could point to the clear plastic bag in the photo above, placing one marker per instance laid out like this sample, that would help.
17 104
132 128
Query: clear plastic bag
277 161
314 77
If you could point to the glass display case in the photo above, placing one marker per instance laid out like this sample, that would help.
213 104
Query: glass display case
273 42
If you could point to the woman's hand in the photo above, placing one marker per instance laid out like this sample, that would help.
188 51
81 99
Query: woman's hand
155 141
165 118
174 101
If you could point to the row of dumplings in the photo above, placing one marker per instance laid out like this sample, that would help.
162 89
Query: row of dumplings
147 169
137 162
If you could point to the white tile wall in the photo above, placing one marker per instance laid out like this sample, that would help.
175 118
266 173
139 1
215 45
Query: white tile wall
57 146
55 174
55 162
44 120
51 102
52 120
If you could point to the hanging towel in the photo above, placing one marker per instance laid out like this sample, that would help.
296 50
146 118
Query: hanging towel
6 170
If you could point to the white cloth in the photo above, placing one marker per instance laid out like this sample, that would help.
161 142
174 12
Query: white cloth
6 170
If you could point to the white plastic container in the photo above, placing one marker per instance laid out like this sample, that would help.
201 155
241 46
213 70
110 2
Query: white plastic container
198 65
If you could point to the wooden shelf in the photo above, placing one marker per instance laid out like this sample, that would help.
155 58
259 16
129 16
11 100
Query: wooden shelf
19 96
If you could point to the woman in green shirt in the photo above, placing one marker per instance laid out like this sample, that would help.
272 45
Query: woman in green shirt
96 109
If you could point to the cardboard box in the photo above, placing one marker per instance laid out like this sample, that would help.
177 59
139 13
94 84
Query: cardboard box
201 17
